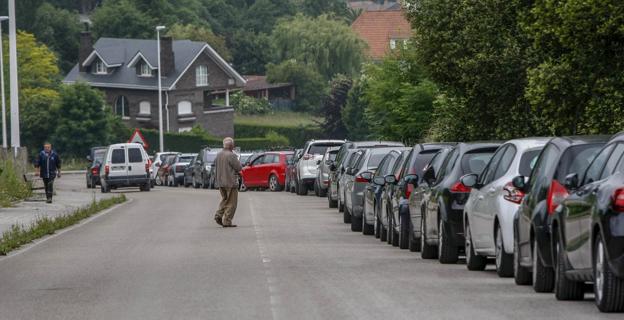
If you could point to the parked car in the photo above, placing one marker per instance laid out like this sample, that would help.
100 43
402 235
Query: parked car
322 177
350 160
410 175
162 174
588 231
307 165
337 168
188 172
125 165
545 190
443 228
244 158
359 177
95 158
493 202
372 195
291 171
385 214
175 175
203 167
267 171
159 157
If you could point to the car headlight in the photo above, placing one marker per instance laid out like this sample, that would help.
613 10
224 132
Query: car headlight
208 168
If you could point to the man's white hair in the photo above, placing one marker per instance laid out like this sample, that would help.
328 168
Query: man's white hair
228 142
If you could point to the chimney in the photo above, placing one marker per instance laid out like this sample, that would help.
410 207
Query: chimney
166 56
86 47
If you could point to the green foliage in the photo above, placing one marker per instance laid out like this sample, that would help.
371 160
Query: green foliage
60 30
262 15
353 113
315 8
251 51
20 235
200 33
245 104
37 121
122 19
309 85
333 106
12 187
297 135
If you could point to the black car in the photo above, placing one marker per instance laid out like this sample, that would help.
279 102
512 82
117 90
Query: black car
545 190
385 214
188 172
588 231
400 219
337 167
444 208
95 158
202 167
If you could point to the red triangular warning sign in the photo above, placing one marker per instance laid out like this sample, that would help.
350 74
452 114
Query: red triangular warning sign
137 137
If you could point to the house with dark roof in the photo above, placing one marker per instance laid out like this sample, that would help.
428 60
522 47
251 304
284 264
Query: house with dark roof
126 70
383 30
280 95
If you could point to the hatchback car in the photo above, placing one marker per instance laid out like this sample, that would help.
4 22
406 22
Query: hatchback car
291 172
158 159
350 160
307 166
125 165
163 172
95 158
385 214
267 171
203 167
588 231
322 177
444 210
175 176
545 190
493 202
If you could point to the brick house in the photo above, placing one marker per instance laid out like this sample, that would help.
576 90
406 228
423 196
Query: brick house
126 70
383 30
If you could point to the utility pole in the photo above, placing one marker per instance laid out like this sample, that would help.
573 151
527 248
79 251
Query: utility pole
15 127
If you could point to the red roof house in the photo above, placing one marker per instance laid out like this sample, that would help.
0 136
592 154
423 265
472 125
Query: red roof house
383 30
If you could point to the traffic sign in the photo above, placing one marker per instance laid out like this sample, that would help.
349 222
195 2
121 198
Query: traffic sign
137 137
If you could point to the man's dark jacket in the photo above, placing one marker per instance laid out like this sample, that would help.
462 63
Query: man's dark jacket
48 164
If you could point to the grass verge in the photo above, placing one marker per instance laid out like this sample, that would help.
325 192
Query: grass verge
12 187
20 235
283 118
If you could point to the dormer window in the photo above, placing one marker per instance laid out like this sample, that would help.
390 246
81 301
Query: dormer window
145 71
201 76
100 67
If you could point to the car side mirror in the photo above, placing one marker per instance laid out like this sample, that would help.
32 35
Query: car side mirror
318 162
572 181
380 181
429 175
519 182
89 159
390 179
329 163
367 175
469 180
332 166
411 179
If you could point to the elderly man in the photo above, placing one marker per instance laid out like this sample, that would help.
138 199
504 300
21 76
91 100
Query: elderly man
227 169
48 164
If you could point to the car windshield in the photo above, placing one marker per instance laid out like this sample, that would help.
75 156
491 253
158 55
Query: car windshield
375 159
319 148
475 162
210 157
186 159
98 154
576 159
164 157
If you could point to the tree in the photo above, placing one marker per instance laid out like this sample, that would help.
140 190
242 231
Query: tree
122 19
251 52
37 121
333 105
59 29
262 16
310 87
199 33
81 112
353 116
328 46
315 8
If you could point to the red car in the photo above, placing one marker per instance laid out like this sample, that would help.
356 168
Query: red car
266 171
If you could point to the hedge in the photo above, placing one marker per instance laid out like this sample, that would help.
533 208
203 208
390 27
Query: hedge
297 136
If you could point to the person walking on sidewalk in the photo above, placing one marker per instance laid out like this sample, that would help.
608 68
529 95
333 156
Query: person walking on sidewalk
49 165
227 170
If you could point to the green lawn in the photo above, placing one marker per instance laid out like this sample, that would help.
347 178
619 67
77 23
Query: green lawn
289 119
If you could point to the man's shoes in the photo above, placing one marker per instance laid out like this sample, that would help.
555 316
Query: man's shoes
230 226
218 221
49 201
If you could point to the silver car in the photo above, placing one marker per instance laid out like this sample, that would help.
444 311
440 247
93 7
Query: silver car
349 162
322 177
493 202
307 166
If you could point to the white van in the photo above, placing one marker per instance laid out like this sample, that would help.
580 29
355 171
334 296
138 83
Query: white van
125 165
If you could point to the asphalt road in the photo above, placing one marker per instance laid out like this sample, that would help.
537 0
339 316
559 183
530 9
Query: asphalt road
161 256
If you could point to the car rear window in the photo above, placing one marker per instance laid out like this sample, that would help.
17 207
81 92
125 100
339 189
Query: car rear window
320 148
186 159
209 157
475 161
134 155
289 157
118 156
528 161
576 159
99 154
420 161
374 160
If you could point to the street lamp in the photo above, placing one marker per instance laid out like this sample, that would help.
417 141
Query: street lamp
5 145
160 119
15 125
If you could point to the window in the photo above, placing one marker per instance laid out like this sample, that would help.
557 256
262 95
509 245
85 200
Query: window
185 129
528 161
613 160
488 174
122 107
134 155
259 160
145 70
100 67
505 162
595 169
397 42
201 76
145 108
118 156
185 108
271 158
476 160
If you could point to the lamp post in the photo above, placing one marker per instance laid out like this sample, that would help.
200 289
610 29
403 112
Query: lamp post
15 128
160 118
5 144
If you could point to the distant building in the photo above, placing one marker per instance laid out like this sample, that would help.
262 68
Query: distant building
374 5
280 95
126 71
383 30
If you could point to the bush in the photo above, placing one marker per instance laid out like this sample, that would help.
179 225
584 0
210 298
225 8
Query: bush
297 136
12 187
245 104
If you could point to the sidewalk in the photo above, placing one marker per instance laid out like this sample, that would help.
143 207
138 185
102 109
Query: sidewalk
71 194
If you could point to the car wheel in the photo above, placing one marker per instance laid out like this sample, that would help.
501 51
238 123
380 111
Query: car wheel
608 288
205 183
565 289
522 275
383 236
447 250
389 229
340 205
302 189
474 262
377 229
274 183
104 188
145 187
242 187
322 192
427 251
504 260
89 183
194 182
159 181
346 215
316 189
356 223
543 277
394 234
404 232
332 203
413 242
367 229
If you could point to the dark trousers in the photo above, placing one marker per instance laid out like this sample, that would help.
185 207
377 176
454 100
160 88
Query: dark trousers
49 187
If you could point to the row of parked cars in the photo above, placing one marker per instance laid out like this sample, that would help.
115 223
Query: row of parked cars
548 212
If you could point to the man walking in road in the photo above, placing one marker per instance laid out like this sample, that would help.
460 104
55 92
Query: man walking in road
227 170
49 165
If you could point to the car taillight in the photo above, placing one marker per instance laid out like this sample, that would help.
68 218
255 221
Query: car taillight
95 171
556 194
359 178
307 156
147 166
106 170
618 200
459 188
513 194
408 190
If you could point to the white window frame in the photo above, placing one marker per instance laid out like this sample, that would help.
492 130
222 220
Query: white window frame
145 70
184 106
100 67
201 76
124 107
145 108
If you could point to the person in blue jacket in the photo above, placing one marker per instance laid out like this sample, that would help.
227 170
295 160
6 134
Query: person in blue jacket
49 165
